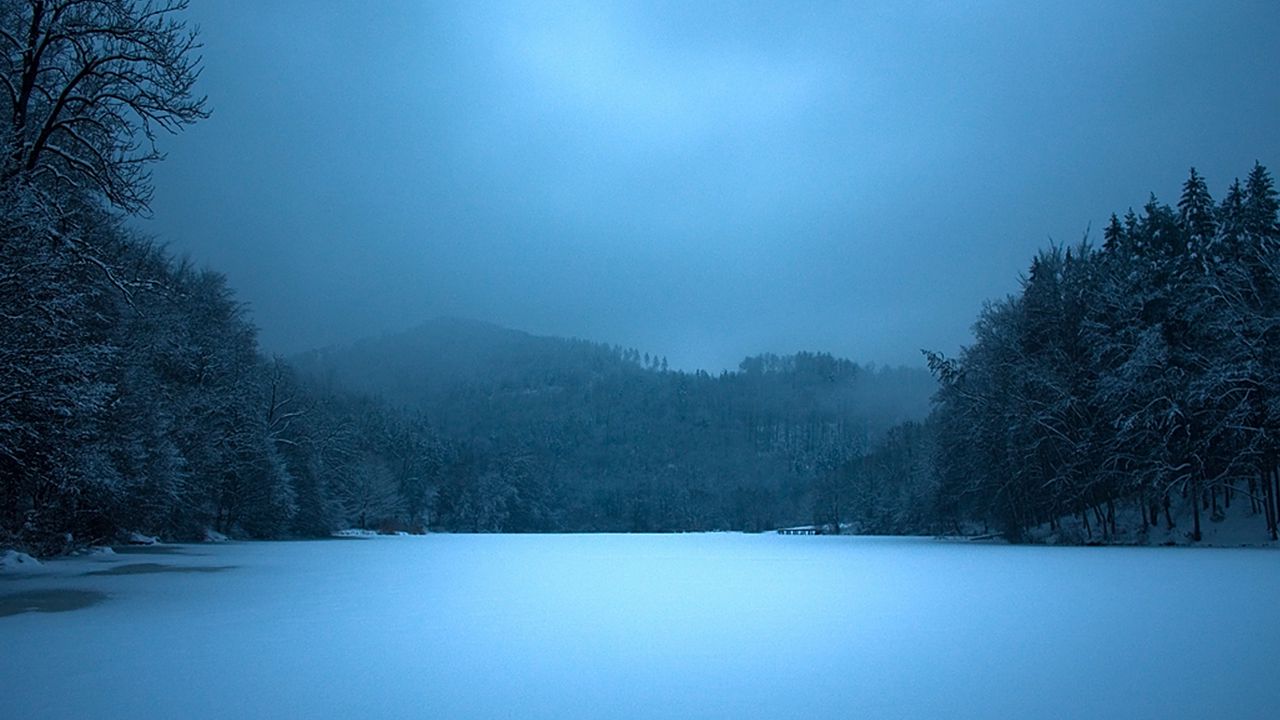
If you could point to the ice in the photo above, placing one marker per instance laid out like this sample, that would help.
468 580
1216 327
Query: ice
647 626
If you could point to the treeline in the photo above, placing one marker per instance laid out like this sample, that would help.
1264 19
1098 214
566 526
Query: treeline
135 399
888 488
141 403
567 435
1142 374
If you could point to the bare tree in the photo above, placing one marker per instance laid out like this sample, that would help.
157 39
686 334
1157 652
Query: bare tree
85 84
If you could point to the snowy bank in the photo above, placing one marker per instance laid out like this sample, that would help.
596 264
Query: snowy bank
1234 526
12 561
355 533
137 538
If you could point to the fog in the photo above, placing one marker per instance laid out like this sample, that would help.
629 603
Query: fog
700 180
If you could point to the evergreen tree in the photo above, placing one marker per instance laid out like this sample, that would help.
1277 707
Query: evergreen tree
1196 213
1260 207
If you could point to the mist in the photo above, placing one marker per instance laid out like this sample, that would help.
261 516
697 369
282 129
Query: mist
647 360
706 181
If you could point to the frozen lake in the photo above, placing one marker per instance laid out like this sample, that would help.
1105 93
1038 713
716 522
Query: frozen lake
645 626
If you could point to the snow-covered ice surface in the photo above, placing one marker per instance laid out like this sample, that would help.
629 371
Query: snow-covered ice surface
646 626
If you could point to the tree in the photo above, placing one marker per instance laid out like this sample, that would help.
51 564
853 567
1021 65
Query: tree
1231 217
1143 373
369 494
1261 206
85 84
1196 212
54 357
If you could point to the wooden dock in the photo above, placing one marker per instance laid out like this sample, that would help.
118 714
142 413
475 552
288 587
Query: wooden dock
807 530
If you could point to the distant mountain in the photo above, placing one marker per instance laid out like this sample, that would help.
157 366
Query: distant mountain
421 367
416 367
557 434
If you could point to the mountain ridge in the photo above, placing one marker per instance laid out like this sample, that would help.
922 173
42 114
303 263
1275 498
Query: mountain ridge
421 365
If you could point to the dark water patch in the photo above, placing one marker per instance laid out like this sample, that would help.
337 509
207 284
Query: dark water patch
48 601
153 568
152 550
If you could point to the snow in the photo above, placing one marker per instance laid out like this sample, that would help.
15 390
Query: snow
12 561
137 538
647 626
355 533
1238 526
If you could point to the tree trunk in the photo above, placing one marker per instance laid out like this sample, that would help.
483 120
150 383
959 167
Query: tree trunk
1267 508
1273 484
1275 499
1195 513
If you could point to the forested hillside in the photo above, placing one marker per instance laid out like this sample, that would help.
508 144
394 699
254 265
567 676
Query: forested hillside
555 434
1141 375
133 396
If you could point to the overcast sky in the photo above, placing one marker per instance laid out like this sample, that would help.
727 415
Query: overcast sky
700 180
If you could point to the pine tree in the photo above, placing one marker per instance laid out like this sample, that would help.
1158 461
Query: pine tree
1196 213
1231 222
1261 206
1113 235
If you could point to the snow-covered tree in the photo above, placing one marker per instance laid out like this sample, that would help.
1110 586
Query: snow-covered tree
1138 374
85 85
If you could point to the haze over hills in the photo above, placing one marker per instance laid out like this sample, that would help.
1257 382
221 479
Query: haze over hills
527 171
565 434
421 367
418 366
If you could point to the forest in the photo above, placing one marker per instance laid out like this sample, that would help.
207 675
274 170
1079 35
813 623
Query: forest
135 399
1142 373
567 435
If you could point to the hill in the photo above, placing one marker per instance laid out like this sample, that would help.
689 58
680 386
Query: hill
583 435
424 367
